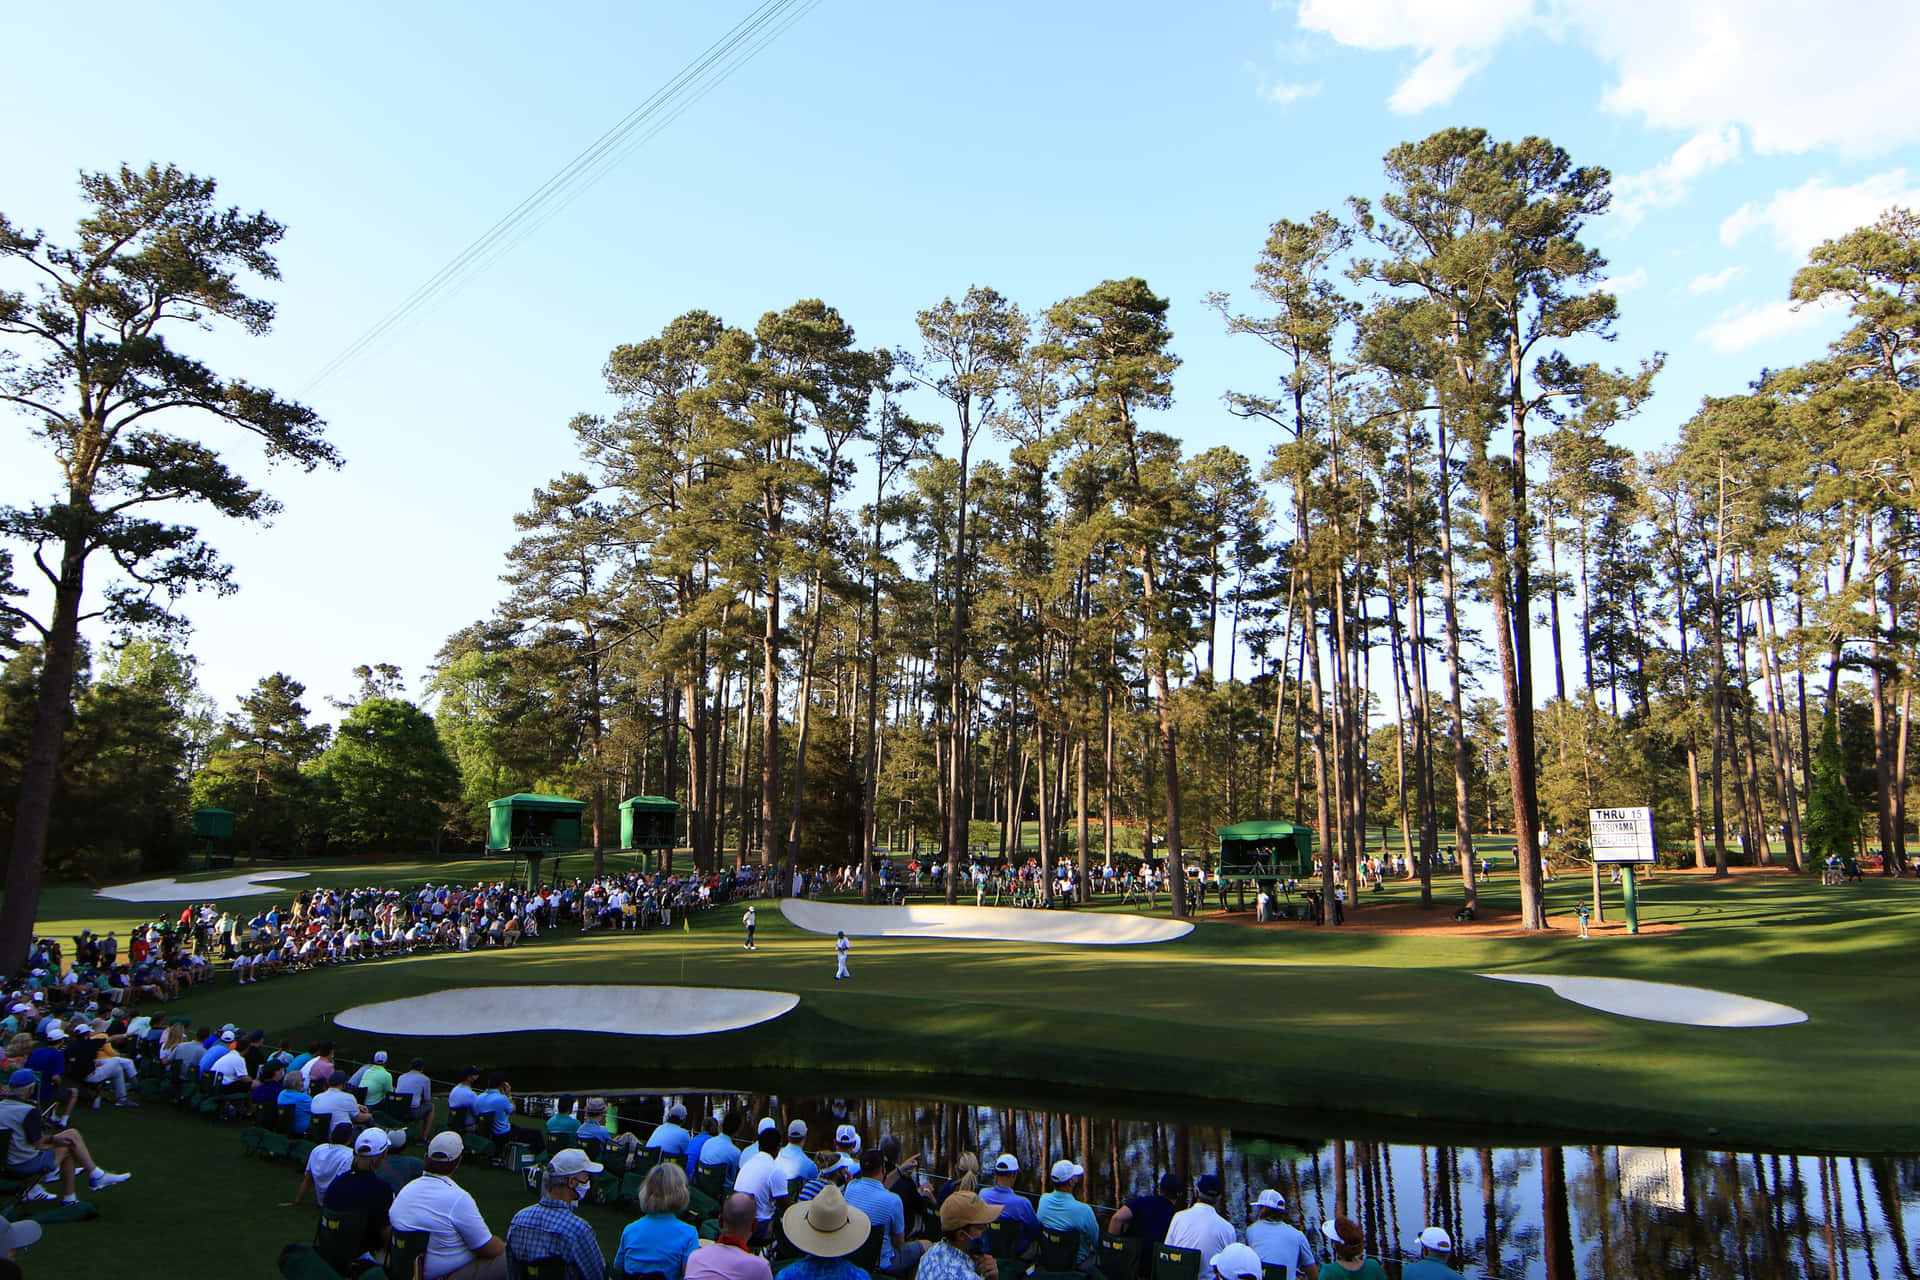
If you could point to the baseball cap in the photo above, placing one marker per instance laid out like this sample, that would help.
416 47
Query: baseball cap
675 1113
446 1146
1007 1164
226 1037
1209 1185
1342 1231
766 1125
380 1056
1270 1199
371 1142
572 1162
1238 1262
845 1164
964 1209
1065 1171
798 1129
22 1078
55 1033
1436 1239
18 1235
845 1134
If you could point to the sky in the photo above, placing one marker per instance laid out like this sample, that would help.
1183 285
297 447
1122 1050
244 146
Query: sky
880 157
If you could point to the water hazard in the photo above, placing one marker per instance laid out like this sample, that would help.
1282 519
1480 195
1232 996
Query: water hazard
1553 1212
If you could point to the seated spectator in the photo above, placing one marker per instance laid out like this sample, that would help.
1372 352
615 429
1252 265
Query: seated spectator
295 1104
1278 1242
1239 1262
462 1096
1061 1210
93 1057
459 1245
265 1094
965 1176
35 1152
962 1251
1349 1251
1145 1218
375 1079
793 1158
658 1241
1015 1207
337 1106
1436 1251
562 1123
594 1126
49 1064
761 1178
417 1089
493 1115
728 1258
671 1138
1200 1226
361 1189
838 1172
324 1164
553 1228
826 1229
229 1065
869 1194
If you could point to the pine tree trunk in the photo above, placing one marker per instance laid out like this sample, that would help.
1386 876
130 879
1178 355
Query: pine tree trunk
1450 611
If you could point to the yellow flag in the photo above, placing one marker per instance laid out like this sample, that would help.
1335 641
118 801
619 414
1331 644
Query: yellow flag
686 922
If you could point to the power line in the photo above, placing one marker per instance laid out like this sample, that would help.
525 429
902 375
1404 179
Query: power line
666 104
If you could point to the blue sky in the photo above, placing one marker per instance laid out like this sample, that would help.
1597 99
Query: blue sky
880 157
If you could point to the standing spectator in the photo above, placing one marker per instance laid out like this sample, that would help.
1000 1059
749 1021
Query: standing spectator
553 1228
1349 1252
658 1241
459 1245
1278 1242
1061 1210
840 949
747 920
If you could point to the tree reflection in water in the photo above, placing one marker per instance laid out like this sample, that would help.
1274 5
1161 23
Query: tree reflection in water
1549 1213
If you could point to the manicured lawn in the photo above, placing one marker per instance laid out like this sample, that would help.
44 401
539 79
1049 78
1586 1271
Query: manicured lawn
1364 1028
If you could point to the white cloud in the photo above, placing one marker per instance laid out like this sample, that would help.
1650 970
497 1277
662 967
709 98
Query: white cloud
1667 182
1751 325
1284 93
1634 279
1714 282
1801 217
1454 38
1793 77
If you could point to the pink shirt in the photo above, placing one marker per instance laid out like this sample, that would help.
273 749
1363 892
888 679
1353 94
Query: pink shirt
716 1261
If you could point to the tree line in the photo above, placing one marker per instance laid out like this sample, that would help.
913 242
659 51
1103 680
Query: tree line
831 596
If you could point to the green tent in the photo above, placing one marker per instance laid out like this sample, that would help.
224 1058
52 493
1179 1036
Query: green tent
1266 851
534 824
649 824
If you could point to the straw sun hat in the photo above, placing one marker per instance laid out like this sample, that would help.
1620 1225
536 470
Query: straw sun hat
826 1226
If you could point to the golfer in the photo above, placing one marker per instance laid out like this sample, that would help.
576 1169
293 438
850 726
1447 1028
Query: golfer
840 948
747 920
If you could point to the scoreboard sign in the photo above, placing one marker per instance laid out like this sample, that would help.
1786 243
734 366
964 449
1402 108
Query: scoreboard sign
1620 835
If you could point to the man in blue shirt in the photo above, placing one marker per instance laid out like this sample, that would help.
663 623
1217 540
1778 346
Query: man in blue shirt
1436 1251
493 1110
1014 1207
793 1158
1061 1210
671 1138
884 1209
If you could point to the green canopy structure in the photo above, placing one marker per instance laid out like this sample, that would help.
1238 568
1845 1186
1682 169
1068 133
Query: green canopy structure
1266 851
535 824
649 824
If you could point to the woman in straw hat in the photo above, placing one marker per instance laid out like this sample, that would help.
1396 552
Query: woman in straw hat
826 1229
962 1253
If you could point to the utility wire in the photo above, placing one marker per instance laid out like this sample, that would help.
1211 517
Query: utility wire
692 83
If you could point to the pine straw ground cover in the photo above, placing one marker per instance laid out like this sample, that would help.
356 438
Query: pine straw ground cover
1389 1028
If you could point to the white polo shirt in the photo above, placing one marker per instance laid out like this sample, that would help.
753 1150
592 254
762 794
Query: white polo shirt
230 1066
438 1205
1200 1227
328 1161
760 1176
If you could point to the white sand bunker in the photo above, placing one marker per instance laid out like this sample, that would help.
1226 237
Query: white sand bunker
172 890
1662 1001
618 1010
1001 924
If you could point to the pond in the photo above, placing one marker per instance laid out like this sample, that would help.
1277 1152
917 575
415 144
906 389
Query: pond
1555 1212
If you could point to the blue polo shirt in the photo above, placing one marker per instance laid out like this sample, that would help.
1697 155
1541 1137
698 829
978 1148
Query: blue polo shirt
302 1105
499 1107
669 1139
883 1209
1015 1208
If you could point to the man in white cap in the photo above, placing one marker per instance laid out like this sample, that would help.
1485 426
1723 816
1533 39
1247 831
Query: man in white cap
1237 1262
375 1079
552 1228
1014 1207
362 1190
1061 1210
229 1064
747 920
671 1137
846 1140
459 1245
1278 1242
793 1158
1436 1251
23 1234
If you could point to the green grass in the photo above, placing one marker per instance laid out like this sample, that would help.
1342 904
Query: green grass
1398 1029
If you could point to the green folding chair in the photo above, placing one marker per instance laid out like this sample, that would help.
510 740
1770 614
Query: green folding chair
406 1252
1170 1263
1119 1256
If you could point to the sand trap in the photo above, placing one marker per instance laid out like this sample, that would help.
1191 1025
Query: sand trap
1002 924
622 1011
1662 1001
172 890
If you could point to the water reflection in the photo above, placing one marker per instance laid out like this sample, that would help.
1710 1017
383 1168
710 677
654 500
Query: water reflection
1553 1213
